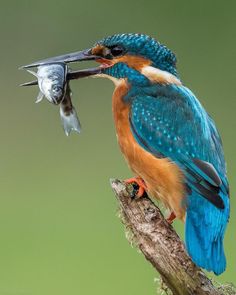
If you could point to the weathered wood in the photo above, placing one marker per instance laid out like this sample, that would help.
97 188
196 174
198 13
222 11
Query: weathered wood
161 245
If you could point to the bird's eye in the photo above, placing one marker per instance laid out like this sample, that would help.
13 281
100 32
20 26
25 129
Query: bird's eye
117 50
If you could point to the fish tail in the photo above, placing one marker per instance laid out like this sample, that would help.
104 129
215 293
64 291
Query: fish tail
70 120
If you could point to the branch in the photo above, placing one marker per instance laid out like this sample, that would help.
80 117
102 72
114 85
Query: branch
162 247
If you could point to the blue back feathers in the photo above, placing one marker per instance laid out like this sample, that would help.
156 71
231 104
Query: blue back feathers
173 124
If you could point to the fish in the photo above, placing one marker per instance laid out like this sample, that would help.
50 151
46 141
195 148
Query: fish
51 82
54 86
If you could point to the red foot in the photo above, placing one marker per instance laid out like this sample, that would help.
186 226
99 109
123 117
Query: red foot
171 218
141 184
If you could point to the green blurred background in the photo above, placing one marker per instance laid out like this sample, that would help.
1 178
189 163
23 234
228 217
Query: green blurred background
59 231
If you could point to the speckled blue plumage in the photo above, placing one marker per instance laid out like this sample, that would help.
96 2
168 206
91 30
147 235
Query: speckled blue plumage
173 124
168 121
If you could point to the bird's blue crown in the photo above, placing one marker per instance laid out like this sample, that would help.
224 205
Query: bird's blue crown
145 46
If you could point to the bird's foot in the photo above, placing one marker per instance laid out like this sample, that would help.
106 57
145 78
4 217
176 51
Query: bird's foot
139 186
171 218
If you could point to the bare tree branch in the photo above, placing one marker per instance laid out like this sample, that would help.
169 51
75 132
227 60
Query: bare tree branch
162 247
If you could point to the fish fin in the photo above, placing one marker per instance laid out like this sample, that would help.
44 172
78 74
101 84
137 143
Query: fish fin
70 122
33 73
39 97
31 83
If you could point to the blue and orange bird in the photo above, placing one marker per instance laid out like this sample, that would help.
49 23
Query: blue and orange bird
167 138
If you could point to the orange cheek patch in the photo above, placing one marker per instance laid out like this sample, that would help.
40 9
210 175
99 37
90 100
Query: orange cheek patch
135 62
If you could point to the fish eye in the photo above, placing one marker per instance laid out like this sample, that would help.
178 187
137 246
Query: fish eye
117 50
57 89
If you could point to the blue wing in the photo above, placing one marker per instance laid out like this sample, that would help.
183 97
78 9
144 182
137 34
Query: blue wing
168 121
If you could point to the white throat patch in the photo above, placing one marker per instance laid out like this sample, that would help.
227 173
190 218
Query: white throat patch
159 76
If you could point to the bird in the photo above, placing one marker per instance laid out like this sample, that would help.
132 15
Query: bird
168 139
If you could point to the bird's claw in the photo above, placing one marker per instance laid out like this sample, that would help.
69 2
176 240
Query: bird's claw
139 187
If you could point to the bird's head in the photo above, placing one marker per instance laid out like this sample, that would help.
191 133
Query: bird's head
136 57
136 51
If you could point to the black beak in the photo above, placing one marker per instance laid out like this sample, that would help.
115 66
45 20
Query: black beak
84 55
67 58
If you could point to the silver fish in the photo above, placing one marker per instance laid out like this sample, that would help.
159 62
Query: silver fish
51 81
69 117
53 84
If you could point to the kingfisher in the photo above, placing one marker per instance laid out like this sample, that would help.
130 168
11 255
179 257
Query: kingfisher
167 138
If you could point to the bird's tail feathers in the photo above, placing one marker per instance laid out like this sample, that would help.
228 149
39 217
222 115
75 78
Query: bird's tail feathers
204 233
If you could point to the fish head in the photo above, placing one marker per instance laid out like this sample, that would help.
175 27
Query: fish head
52 82
57 92
53 90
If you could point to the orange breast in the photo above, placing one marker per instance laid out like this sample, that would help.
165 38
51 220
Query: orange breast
163 178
